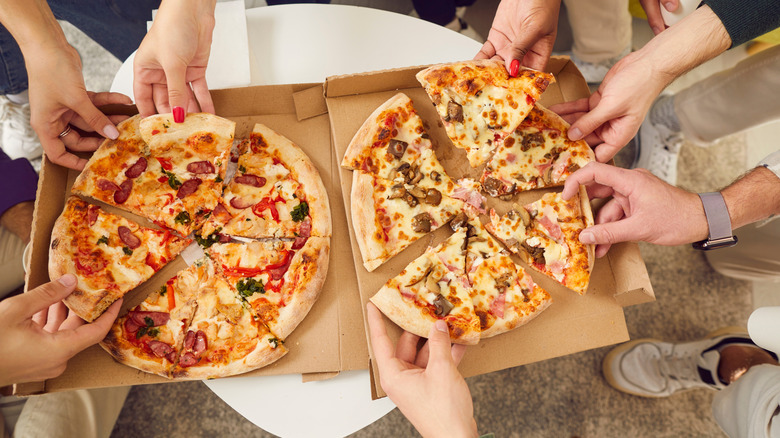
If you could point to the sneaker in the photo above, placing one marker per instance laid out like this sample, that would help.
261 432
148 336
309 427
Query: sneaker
459 25
594 72
18 139
653 368
658 148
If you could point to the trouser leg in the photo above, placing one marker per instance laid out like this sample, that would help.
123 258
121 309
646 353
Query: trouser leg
755 257
601 28
749 407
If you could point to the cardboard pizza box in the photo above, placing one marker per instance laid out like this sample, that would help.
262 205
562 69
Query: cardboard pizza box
572 323
329 340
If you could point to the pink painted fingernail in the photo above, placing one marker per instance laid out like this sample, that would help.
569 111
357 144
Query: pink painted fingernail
67 280
111 132
178 114
514 68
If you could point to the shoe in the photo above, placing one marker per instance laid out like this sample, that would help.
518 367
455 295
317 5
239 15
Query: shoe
658 148
653 368
460 26
18 139
594 72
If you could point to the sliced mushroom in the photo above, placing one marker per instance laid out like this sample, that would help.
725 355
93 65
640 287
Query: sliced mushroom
432 284
397 148
537 253
471 231
458 221
410 199
433 197
531 140
547 175
435 176
504 281
507 197
513 243
398 191
418 192
418 175
455 111
492 186
426 267
524 216
443 307
422 223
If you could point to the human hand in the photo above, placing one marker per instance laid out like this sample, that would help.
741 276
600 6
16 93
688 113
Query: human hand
642 208
61 99
425 385
40 334
522 30
653 10
611 116
170 65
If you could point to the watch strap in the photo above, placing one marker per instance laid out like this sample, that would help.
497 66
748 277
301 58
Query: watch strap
717 215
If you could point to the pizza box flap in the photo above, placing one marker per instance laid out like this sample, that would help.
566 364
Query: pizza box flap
329 339
572 323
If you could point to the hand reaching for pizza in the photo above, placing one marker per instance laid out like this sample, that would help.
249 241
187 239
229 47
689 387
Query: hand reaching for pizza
522 30
642 208
611 116
40 335
653 10
170 65
425 385
61 100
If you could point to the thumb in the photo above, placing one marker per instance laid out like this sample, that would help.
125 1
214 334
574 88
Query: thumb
96 119
43 296
588 123
609 233
439 347
178 90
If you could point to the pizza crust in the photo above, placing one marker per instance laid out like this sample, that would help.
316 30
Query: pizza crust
364 221
125 353
364 137
587 215
307 175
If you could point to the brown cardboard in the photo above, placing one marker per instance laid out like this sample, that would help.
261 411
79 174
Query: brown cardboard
329 340
573 323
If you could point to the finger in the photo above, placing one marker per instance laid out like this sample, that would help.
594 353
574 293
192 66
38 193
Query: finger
109 98
521 45
72 321
601 250
43 296
160 93
142 91
89 334
487 51
671 5
423 355
458 351
626 230
654 18
193 103
40 318
606 151
593 172
574 106
175 76
94 118
597 116
406 349
56 152
612 211
598 191
202 94
380 342
57 313
118 118
439 344
76 142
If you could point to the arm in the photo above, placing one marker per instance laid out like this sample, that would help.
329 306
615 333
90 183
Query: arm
425 385
641 202
170 65
16 206
40 336
522 30
56 100
611 116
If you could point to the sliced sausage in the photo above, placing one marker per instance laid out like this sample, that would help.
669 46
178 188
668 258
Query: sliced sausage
189 340
92 214
305 230
188 187
250 180
157 318
201 343
299 242
239 203
160 349
104 184
121 195
129 239
200 167
136 169
187 360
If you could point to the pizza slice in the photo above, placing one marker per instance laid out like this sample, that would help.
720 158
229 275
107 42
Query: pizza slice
546 233
223 337
537 154
150 336
276 192
479 103
426 291
280 280
109 255
392 136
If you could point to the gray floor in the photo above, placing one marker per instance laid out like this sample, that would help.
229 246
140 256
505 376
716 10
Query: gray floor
564 397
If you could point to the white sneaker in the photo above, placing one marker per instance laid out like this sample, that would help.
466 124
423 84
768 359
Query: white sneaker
18 139
594 72
658 148
460 26
652 368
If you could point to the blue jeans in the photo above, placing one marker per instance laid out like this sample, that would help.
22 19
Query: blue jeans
117 25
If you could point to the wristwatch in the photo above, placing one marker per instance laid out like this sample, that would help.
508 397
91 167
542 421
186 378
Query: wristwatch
718 221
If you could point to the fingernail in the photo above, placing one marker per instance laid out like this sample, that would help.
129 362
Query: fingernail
656 30
514 68
111 132
67 280
178 114
441 326
587 238
669 6
575 134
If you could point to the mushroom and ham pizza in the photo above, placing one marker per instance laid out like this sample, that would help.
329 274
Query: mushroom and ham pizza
170 173
109 255
546 234
536 154
480 104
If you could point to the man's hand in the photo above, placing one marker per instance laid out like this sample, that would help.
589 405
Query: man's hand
39 335
523 30
170 65
425 385
61 99
642 208
653 10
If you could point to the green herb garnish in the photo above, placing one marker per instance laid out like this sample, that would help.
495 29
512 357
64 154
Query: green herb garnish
172 180
249 286
163 290
209 240
218 179
242 169
300 211
149 321
103 239
127 250
275 342
141 331
182 218
153 332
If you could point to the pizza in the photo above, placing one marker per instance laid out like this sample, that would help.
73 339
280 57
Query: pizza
536 154
109 255
170 173
480 104
276 192
546 233
279 279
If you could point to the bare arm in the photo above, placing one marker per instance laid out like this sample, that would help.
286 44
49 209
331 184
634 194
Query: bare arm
752 198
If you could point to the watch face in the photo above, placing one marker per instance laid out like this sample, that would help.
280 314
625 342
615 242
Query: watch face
708 244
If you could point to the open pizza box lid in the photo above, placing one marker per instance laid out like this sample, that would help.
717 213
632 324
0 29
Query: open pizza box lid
329 340
572 323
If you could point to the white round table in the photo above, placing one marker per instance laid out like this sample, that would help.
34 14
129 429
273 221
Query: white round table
302 44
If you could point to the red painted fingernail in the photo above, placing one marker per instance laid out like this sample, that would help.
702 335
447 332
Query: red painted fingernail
514 68
178 114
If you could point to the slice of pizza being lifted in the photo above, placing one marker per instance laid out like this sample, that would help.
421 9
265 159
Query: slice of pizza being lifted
537 154
546 234
480 104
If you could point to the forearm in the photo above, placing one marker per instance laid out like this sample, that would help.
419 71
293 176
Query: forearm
753 197
32 25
